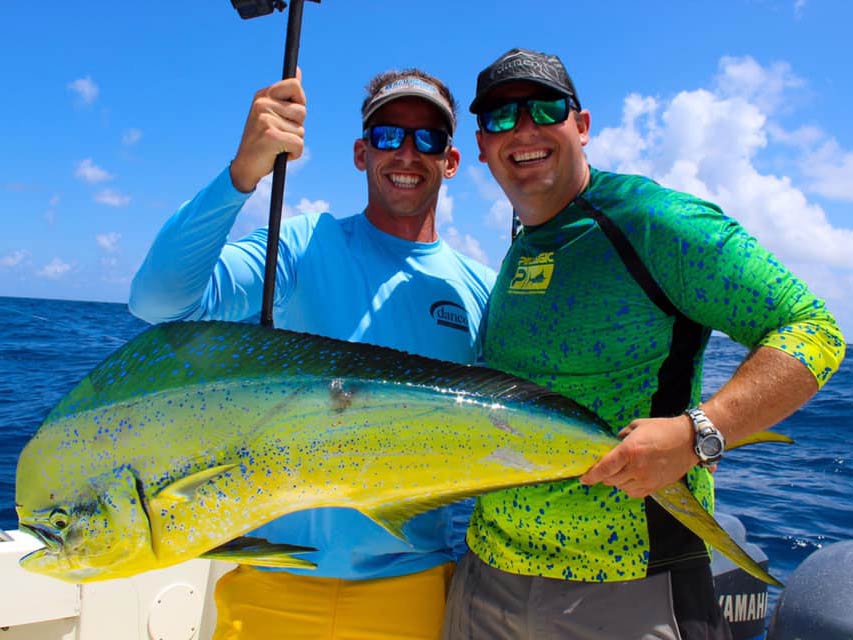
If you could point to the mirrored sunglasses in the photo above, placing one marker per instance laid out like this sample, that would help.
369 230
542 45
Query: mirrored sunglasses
386 137
504 117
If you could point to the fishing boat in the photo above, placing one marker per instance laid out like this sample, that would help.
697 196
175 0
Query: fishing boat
177 603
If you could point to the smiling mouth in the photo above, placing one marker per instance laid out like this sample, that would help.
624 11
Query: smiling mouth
404 180
50 540
522 158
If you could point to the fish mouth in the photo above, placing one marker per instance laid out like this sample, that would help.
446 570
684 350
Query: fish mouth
47 537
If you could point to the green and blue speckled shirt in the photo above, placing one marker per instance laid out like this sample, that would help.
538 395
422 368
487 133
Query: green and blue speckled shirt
566 313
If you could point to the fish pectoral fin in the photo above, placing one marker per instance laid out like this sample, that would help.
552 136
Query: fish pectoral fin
185 488
684 507
118 493
259 552
760 437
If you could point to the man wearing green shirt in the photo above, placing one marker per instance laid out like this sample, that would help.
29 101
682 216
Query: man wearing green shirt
608 296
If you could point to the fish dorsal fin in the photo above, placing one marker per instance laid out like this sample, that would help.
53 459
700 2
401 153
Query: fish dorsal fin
259 552
170 356
185 488
180 354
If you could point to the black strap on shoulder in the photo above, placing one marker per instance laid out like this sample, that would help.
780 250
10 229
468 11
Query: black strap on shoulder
632 261
671 543
676 372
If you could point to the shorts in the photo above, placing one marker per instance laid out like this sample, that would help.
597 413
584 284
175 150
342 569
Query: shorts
252 604
485 602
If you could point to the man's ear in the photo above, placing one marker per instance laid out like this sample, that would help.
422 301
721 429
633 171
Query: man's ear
482 156
359 154
582 122
453 159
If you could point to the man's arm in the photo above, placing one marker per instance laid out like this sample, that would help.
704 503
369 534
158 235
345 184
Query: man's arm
172 282
748 294
767 387
190 273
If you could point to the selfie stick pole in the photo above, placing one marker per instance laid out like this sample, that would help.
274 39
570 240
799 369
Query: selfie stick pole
291 53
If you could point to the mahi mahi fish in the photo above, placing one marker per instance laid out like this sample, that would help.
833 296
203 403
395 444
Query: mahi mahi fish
195 433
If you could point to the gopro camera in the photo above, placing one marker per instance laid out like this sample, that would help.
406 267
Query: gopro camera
254 8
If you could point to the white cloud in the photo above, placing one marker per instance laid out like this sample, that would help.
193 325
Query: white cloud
89 172
85 89
624 146
804 136
706 146
256 210
308 206
500 210
131 137
111 272
114 278
112 198
108 241
464 243
718 135
767 88
54 270
50 213
830 171
444 208
707 142
13 259
296 165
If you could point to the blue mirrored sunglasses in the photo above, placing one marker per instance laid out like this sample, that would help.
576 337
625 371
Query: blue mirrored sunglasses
504 117
386 137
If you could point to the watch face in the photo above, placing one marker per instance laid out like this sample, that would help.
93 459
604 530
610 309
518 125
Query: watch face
711 446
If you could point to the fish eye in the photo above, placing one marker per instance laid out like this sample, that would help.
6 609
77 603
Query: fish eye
59 519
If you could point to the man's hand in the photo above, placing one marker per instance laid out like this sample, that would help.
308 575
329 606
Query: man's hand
654 453
274 126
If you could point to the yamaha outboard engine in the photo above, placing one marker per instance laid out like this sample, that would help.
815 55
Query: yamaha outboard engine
742 598
817 603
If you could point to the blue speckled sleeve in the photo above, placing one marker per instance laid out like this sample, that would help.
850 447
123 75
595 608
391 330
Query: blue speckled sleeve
720 276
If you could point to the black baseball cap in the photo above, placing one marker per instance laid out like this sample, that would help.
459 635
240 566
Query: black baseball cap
528 66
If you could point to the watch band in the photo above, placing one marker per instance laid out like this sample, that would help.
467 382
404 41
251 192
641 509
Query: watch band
700 420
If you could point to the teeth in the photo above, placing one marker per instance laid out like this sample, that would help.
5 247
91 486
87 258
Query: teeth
405 181
527 156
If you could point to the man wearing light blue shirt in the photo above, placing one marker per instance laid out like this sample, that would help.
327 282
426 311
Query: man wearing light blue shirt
382 276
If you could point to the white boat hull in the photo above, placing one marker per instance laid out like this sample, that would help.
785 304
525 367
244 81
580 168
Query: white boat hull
168 604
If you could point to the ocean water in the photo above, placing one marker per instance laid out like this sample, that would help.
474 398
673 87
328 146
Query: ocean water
792 499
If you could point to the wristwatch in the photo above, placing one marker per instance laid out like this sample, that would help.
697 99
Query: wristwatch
709 444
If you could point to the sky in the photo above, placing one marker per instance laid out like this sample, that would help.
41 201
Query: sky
116 113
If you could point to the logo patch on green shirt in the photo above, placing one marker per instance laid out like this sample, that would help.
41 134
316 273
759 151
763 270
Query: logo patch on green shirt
533 275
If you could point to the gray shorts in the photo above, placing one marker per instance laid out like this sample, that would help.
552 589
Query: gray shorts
485 603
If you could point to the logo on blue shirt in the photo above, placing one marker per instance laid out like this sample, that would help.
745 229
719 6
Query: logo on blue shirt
450 314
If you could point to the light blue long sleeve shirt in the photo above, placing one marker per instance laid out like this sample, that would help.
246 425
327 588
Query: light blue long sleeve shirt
341 278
